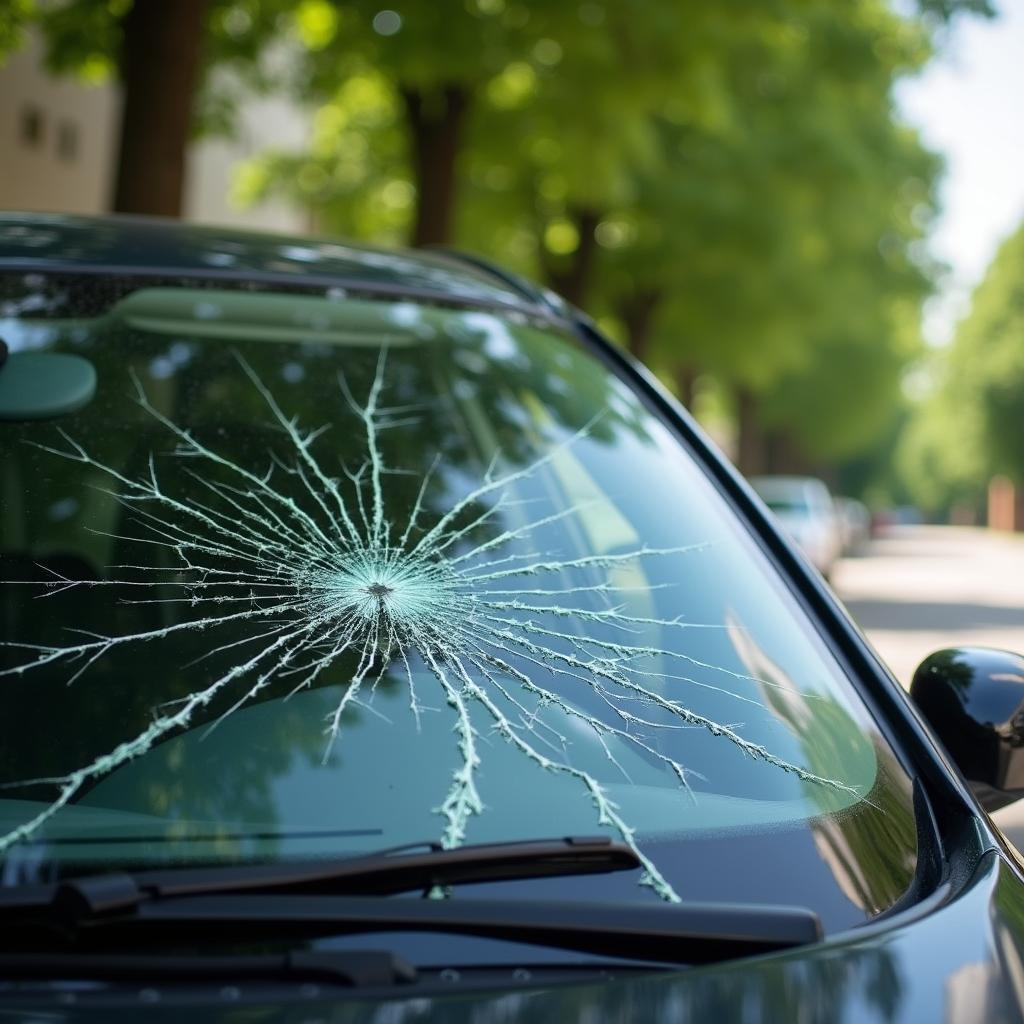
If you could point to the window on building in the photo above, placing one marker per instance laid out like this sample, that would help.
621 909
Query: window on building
67 140
33 125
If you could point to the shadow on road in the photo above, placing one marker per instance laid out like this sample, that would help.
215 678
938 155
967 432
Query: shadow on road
933 615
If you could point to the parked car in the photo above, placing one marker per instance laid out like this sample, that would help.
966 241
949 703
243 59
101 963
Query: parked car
381 643
854 524
805 509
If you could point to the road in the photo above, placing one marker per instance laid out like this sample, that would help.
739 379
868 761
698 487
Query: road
924 587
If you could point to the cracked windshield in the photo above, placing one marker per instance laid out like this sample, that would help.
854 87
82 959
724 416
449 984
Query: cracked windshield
313 575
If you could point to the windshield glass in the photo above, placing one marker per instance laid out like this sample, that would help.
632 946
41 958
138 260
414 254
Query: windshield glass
788 507
311 575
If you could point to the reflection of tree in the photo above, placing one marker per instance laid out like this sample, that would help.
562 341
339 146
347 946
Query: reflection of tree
274 537
831 986
199 384
826 990
870 846
225 785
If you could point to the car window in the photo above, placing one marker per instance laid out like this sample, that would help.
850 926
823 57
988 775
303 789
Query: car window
791 507
313 575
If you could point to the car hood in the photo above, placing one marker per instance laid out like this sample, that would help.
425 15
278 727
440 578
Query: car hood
957 961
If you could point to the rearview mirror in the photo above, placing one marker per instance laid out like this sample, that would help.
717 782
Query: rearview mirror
43 385
973 697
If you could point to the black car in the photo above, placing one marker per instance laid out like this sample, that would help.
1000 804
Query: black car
381 643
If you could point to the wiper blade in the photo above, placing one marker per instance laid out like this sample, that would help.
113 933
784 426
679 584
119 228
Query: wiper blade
677 934
391 871
280 901
356 968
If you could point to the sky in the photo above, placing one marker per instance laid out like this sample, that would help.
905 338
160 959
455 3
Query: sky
969 105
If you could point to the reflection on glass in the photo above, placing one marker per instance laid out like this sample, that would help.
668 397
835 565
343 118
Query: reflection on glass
435 564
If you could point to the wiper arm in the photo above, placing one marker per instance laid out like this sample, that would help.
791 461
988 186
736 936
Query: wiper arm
676 934
284 900
391 871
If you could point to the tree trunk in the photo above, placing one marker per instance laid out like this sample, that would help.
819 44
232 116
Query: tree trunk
435 131
784 455
160 60
637 314
750 442
781 455
571 279
686 383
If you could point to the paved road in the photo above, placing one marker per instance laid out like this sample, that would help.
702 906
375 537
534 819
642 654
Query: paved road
924 587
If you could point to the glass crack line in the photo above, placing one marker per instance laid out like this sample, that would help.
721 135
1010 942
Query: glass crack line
335 574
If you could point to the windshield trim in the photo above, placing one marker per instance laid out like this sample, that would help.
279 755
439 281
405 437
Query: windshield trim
703 454
353 287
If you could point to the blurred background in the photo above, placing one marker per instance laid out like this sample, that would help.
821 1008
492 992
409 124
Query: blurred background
806 216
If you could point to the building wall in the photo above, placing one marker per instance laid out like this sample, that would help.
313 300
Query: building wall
263 123
57 138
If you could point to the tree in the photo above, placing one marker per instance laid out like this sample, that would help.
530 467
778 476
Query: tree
162 53
968 428
549 96
736 200
155 50
988 358
789 246
159 69
426 65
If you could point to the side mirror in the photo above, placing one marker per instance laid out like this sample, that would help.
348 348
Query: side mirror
973 697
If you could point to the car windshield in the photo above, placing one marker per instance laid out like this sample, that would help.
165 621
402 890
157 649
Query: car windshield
790 506
796 497
313 575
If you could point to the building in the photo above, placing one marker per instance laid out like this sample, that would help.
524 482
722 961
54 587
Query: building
58 142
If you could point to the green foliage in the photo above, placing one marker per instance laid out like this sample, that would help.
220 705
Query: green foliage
989 357
970 427
15 15
940 457
354 173
777 234
83 36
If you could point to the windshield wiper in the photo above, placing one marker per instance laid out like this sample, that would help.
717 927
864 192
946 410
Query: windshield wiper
676 934
285 901
384 873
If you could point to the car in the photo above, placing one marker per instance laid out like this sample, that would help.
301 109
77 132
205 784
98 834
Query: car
854 525
807 512
380 642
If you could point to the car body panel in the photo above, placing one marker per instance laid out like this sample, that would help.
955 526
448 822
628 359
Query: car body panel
145 245
961 961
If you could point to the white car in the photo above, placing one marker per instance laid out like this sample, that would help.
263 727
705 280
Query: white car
854 524
807 512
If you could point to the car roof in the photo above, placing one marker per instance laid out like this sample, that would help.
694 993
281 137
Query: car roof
163 247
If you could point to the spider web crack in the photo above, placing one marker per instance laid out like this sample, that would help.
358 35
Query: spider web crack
341 577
